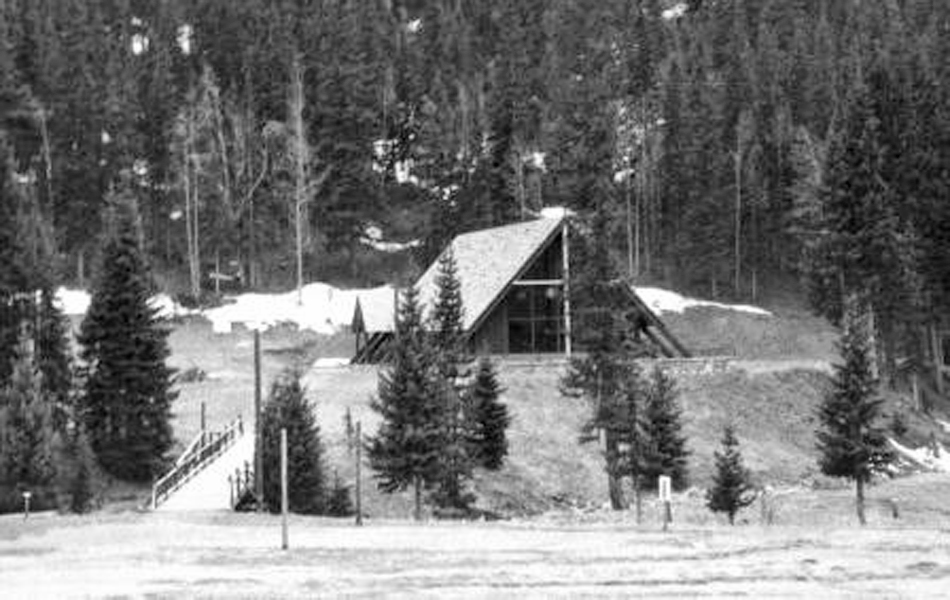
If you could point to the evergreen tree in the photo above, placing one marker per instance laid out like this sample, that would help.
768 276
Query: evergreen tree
126 401
14 301
603 374
340 502
287 407
448 343
665 444
406 449
54 358
447 319
732 487
851 441
490 417
26 437
77 472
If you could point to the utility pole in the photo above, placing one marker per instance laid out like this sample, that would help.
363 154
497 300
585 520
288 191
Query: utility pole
283 489
359 485
258 455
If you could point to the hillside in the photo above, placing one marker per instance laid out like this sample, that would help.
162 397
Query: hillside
770 393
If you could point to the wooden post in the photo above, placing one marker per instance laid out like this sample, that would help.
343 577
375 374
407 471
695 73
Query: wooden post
666 496
359 485
283 488
258 454
566 275
204 421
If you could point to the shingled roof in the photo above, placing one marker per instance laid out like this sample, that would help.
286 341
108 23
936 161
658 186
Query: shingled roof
488 262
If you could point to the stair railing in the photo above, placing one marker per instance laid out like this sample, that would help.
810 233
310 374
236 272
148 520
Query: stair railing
201 452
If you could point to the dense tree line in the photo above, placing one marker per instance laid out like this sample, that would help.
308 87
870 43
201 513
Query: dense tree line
716 129
732 142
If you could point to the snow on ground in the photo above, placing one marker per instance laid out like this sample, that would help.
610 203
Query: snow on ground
925 456
73 302
943 424
220 555
322 307
330 363
665 301
555 212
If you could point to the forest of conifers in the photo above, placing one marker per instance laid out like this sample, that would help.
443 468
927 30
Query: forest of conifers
734 142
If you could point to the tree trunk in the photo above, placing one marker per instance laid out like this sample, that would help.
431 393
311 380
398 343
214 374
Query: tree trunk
738 221
614 478
417 510
859 500
638 497
300 164
631 266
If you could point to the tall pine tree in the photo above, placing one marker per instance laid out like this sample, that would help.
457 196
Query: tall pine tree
851 440
448 341
26 437
405 452
126 403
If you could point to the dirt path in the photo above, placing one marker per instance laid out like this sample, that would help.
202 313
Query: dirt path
230 555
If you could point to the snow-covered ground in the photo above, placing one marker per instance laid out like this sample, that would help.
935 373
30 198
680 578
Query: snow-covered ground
665 301
925 456
321 308
326 309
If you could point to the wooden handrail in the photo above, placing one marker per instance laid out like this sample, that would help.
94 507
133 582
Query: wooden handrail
200 453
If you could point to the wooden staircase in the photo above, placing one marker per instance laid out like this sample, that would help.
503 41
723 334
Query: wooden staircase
203 450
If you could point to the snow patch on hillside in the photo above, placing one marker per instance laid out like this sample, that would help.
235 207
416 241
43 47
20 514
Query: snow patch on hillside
665 301
322 308
925 456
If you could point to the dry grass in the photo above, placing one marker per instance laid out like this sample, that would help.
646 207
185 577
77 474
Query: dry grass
773 411
562 555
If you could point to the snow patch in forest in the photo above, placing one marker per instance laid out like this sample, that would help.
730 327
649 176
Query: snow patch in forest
675 12
943 424
555 212
373 237
72 302
665 301
925 456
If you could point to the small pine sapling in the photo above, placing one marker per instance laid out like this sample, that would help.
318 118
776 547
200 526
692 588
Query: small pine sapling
665 451
490 416
732 488
340 502
288 407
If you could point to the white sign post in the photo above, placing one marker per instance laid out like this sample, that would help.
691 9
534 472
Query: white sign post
666 497
26 504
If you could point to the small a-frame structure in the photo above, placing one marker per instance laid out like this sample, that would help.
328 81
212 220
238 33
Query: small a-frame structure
515 287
